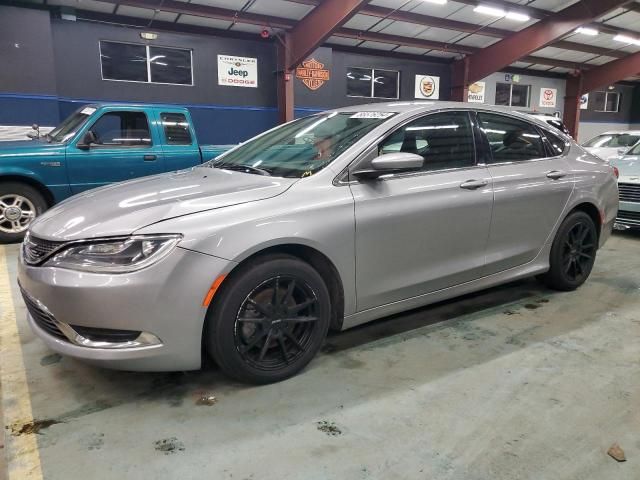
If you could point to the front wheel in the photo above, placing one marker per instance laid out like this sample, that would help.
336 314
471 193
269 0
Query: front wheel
269 321
573 253
20 204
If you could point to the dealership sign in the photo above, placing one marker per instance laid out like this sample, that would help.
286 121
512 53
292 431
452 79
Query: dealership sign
237 71
584 102
548 97
427 87
313 74
476 92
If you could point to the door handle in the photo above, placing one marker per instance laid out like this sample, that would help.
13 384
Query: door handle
149 158
473 184
556 174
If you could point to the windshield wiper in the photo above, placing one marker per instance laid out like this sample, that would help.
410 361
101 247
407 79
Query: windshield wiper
241 168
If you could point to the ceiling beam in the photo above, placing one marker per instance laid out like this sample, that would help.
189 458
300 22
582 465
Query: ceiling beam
521 44
206 11
318 25
610 73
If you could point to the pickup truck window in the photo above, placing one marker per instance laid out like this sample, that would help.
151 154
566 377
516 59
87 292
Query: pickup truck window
176 129
70 126
121 129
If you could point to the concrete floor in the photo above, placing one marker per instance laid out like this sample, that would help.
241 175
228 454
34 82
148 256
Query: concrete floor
512 383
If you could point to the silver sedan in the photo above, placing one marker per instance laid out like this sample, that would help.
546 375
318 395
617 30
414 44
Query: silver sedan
323 223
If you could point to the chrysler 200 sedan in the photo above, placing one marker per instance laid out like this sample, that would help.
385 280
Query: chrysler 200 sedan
323 223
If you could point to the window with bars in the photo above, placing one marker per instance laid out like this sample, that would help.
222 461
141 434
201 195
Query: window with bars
132 62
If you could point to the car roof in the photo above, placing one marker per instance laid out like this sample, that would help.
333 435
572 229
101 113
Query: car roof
135 105
419 106
619 132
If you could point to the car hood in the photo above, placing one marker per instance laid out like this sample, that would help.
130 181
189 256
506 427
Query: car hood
606 153
123 208
629 168
28 147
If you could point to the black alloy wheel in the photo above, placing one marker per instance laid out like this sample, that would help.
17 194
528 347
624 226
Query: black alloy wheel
274 325
268 320
573 253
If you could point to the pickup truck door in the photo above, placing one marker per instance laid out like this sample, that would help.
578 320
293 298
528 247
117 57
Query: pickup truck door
179 144
125 147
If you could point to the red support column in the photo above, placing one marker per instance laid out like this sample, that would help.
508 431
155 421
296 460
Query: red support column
284 82
460 80
572 97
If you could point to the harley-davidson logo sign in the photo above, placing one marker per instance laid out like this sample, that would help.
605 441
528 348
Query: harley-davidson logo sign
313 74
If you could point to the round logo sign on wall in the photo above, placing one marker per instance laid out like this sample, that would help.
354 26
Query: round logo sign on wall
427 86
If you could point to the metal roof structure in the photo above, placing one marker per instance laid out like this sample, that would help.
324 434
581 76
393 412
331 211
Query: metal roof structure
447 29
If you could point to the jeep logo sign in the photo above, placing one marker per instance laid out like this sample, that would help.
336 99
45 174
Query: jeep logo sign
237 71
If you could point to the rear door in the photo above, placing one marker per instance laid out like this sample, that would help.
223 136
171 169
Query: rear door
125 148
532 186
179 144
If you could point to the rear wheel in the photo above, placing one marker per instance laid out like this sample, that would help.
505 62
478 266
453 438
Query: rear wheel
269 321
573 253
20 204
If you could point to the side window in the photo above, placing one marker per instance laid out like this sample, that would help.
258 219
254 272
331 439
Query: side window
176 129
122 129
444 140
557 144
511 140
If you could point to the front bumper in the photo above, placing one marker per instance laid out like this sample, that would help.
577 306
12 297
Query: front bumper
628 216
162 303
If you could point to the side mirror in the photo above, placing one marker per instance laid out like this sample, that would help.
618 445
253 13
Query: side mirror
36 132
87 140
390 163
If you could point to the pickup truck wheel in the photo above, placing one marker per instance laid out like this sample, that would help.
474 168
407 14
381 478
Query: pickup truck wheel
19 205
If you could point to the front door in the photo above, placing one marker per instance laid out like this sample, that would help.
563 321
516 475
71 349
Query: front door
124 148
531 189
423 231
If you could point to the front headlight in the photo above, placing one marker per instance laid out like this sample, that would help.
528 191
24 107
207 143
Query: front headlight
117 255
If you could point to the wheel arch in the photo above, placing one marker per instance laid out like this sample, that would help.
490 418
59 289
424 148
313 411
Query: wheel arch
592 210
32 182
314 257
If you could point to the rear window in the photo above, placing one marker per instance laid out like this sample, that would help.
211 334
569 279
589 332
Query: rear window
176 129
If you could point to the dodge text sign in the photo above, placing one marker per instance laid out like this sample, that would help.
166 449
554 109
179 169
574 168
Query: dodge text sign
237 71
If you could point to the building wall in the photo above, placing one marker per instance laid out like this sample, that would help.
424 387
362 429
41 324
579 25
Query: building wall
535 82
593 123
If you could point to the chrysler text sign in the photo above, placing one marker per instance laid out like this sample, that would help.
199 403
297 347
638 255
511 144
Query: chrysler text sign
237 71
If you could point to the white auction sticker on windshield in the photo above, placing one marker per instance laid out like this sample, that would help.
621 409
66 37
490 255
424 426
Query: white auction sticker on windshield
88 110
372 115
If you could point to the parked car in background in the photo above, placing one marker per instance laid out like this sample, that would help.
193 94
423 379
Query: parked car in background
629 188
552 120
328 221
614 144
96 145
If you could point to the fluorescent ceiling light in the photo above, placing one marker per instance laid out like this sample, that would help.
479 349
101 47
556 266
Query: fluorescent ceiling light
519 17
587 31
493 11
438 2
627 39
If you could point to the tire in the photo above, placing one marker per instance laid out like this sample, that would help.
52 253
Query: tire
255 342
18 199
573 253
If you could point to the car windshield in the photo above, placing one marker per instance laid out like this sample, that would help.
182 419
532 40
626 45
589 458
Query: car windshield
635 150
302 147
71 125
613 140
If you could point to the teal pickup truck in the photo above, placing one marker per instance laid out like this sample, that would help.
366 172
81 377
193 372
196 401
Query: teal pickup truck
96 145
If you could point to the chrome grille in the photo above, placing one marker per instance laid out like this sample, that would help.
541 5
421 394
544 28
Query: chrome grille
629 218
629 192
36 250
43 319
